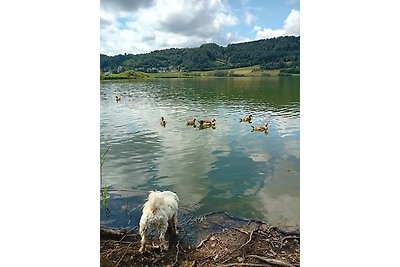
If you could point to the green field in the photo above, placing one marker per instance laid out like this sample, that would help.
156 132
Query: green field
252 71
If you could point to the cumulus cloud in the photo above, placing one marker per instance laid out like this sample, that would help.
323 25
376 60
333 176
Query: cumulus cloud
125 5
158 24
291 27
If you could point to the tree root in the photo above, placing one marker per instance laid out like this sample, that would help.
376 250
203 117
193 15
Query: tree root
271 261
177 253
248 241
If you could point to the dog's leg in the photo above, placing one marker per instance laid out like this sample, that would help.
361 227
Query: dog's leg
143 241
173 225
163 230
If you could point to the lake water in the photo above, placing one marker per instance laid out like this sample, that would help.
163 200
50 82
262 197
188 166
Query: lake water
229 167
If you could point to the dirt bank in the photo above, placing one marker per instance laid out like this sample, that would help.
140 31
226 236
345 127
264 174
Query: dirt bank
216 239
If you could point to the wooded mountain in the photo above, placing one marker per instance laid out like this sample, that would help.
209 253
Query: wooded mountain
281 53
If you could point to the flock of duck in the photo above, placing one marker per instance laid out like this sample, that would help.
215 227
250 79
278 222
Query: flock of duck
211 123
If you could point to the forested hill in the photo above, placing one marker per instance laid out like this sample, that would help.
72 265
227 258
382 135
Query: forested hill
281 53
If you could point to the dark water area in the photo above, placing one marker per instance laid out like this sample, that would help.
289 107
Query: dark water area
229 167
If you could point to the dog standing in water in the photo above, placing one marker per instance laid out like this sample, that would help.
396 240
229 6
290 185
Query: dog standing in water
159 211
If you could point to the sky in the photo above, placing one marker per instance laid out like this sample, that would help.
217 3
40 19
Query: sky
142 26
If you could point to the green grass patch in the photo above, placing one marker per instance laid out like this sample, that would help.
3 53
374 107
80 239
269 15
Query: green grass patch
252 71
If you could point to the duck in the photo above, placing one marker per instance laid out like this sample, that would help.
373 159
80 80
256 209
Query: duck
162 121
207 122
191 122
263 128
247 118
117 98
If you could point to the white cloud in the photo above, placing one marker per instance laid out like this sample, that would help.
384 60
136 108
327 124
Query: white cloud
292 23
249 18
256 28
291 27
146 26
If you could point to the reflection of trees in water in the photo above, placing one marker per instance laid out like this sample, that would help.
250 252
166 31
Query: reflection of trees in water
274 92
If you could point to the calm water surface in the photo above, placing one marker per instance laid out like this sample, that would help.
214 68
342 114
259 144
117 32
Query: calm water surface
230 168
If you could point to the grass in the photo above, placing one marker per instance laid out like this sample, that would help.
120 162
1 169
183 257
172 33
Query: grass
252 71
103 189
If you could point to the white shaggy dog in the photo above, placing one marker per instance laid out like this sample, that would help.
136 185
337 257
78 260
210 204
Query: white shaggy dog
160 210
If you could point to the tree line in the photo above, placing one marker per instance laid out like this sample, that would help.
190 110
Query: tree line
282 53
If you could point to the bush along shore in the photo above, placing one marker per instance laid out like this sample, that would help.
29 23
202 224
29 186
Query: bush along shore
215 239
253 71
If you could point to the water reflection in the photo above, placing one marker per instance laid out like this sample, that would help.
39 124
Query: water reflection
226 167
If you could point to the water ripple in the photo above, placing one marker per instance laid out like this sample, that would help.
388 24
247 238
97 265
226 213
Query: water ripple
204 166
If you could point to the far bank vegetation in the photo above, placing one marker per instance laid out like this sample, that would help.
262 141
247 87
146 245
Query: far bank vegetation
267 57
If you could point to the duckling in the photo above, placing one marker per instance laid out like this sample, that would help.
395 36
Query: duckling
207 122
162 121
191 122
263 128
247 118
117 98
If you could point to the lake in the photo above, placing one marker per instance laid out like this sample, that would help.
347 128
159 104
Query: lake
225 168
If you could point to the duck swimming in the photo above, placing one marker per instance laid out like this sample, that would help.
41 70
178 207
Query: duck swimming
162 121
207 122
247 118
263 128
191 122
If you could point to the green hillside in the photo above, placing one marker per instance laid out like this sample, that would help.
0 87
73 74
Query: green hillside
282 53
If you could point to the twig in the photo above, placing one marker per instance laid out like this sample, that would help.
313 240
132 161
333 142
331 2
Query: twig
104 155
115 241
205 240
248 241
244 264
209 251
111 252
123 255
271 261
274 224
177 252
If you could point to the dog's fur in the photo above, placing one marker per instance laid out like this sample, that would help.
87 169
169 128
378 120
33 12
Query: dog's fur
159 211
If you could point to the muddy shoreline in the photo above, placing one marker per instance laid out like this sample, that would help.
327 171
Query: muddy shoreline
215 239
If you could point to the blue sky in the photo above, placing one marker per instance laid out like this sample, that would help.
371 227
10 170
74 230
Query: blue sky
142 26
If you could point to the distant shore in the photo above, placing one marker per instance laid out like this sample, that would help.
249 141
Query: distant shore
253 71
